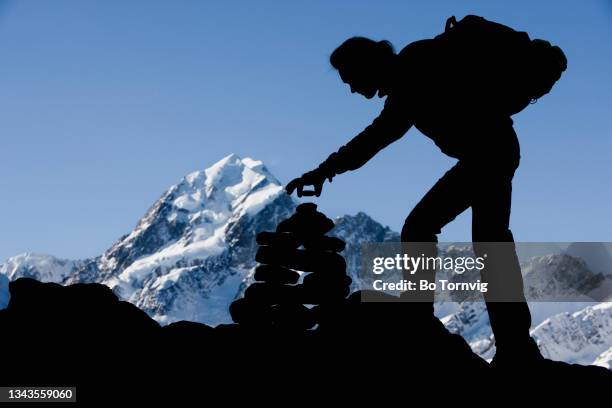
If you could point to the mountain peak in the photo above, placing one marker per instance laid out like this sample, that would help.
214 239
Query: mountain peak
232 162
187 231
229 180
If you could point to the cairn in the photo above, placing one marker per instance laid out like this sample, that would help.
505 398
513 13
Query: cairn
300 266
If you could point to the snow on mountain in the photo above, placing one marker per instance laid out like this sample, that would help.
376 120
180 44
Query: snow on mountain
190 253
547 276
579 337
189 224
42 267
556 276
356 230
604 359
583 336
471 321
559 277
596 255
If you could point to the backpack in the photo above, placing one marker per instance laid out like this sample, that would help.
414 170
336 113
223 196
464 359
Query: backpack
496 66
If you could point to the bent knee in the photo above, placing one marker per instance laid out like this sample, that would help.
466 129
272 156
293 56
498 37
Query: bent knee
418 230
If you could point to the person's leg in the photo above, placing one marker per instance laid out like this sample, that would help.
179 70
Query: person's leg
442 204
508 312
492 196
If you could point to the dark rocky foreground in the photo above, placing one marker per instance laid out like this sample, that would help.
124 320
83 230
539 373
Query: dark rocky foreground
83 335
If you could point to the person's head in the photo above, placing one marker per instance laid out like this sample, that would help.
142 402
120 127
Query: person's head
363 64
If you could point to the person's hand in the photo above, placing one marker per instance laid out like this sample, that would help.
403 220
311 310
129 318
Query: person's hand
314 178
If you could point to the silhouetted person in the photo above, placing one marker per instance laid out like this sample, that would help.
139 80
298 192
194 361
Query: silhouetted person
445 106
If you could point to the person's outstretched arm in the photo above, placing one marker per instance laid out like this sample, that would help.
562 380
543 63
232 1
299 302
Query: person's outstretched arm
392 123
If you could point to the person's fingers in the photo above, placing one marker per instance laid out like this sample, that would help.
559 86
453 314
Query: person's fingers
293 184
318 188
290 187
299 184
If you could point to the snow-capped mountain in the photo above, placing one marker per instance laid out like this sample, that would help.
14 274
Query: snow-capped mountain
188 256
470 320
193 253
559 276
357 230
572 331
582 336
604 359
41 267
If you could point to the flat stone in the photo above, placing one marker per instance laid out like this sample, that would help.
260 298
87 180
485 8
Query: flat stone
276 274
306 224
248 312
325 243
301 259
270 293
284 239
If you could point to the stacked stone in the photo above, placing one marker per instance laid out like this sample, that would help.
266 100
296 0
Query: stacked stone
278 297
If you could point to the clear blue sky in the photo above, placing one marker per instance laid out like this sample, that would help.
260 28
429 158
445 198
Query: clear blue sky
105 104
